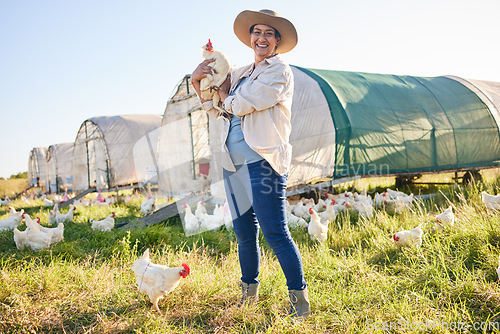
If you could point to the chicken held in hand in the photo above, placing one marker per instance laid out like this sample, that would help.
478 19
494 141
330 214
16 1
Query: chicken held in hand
211 83
157 280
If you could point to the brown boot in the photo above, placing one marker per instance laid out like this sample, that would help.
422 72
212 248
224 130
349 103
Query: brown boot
299 303
249 293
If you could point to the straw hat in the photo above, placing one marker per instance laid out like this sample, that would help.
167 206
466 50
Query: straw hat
247 18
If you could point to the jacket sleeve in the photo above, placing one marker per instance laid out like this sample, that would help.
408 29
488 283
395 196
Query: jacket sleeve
211 111
261 93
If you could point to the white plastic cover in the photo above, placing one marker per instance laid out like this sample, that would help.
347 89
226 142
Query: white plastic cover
59 159
37 167
113 151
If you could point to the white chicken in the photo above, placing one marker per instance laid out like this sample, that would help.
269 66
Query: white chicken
200 209
68 216
211 222
15 218
409 238
82 202
36 239
445 219
53 214
5 201
294 221
191 223
157 280
299 209
105 224
329 213
48 202
317 229
380 199
491 201
56 232
20 238
148 206
364 208
211 83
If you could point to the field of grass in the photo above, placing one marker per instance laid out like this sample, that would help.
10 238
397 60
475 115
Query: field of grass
359 281
12 187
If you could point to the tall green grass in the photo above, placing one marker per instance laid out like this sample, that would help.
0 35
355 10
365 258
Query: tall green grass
359 281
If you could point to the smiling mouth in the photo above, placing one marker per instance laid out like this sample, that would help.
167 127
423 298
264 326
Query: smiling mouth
261 46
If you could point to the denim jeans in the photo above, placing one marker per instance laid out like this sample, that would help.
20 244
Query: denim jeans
256 196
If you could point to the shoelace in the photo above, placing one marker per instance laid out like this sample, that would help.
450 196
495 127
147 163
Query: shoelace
244 295
293 301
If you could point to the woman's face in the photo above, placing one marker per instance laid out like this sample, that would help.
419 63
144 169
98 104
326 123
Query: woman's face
263 41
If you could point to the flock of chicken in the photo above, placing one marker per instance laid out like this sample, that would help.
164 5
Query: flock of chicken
153 279
201 221
157 280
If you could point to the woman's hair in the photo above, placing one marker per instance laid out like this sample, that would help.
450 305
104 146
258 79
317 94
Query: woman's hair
276 32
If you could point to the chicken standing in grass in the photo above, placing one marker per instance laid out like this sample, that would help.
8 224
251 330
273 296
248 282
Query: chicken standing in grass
20 238
148 206
68 216
15 218
35 238
445 219
191 223
56 232
200 209
157 280
105 224
211 83
408 238
491 201
53 214
318 230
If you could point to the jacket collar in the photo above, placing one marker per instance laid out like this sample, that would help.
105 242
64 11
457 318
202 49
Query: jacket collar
250 71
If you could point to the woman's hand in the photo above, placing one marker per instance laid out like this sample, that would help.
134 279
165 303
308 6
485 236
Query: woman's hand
199 73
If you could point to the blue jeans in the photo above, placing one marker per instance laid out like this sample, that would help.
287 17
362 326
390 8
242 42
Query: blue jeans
256 196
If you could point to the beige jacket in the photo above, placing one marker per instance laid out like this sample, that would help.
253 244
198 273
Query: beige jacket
263 103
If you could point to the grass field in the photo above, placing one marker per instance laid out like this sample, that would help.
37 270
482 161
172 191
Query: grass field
12 187
359 281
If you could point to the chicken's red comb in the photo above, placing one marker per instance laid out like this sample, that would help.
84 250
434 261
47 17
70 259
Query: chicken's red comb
186 270
333 201
311 211
38 220
209 42
185 205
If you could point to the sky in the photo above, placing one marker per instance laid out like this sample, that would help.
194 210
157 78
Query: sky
63 62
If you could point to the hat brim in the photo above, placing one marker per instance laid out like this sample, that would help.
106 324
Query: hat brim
247 18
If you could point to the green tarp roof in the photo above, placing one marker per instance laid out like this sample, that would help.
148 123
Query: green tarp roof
389 124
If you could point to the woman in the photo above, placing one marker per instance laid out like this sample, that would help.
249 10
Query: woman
257 100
